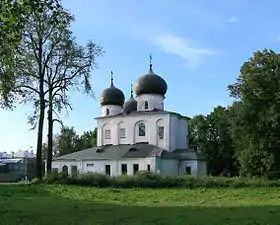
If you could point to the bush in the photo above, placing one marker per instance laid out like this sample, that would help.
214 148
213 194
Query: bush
146 179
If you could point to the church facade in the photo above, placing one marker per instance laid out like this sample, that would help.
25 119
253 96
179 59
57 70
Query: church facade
137 134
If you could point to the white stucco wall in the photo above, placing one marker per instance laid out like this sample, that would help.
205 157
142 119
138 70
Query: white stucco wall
154 102
178 132
168 166
131 124
175 130
192 164
98 166
112 109
198 168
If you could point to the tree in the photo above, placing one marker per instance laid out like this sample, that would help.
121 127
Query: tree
49 63
255 117
14 16
87 140
67 141
24 79
55 149
68 68
210 134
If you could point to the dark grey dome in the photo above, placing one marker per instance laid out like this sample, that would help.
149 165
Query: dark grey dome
130 105
112 96
150 83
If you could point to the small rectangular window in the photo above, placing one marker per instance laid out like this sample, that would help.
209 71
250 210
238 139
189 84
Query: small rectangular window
124 169
149 167
142 129
90 165
188 170
122 133
135 168
146 105
161 132
108 170
107 134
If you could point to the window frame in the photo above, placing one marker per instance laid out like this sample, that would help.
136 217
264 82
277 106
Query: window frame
107 134
122 134
161 137
146 105
141 133
124 172
135 170
188 170
108 172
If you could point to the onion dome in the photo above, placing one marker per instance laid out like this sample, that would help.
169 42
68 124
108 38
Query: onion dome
112 95
150 83
131 104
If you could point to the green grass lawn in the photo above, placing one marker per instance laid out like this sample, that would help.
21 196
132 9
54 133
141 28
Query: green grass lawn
50 205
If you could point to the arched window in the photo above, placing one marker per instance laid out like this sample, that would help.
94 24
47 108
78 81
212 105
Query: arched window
161 132
65 169
146 105
107 112
142 129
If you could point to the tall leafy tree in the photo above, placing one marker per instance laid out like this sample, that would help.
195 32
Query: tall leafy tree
14 16
68 68
68 141
29 69
87 140
47 65
255 122
210 134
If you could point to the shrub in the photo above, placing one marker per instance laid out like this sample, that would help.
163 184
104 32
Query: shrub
146 179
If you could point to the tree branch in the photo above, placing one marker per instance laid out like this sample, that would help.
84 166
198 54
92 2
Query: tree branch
72 77
30 88
59 121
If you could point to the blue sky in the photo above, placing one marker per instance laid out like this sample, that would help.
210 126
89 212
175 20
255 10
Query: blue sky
198 47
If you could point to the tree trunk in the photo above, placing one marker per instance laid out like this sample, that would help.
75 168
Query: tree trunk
40 139
50 134
39 171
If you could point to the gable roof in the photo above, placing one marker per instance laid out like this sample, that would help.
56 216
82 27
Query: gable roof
130 151
111 152
183 154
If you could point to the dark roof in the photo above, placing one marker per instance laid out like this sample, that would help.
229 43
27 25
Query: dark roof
137 113
127 151
150 83
130 105
111 152
143 150
112 96
187 154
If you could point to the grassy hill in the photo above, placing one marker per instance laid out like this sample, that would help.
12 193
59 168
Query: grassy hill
53 204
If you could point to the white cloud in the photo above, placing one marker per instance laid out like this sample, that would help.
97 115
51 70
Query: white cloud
191 54
232 20
278 39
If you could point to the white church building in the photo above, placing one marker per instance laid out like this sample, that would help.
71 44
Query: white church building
137 135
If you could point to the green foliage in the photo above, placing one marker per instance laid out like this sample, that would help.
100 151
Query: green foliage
210 134
61 204
255 118
145 179
14 18
68 141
